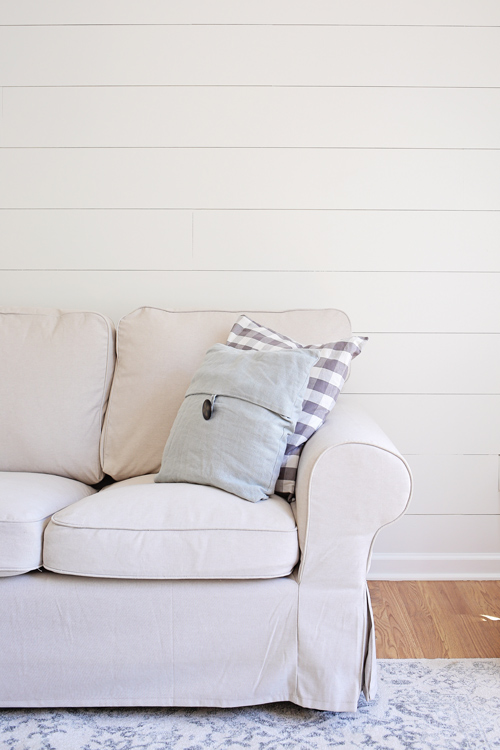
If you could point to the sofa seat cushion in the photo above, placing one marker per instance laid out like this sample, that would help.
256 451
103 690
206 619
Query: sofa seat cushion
27 502
139 529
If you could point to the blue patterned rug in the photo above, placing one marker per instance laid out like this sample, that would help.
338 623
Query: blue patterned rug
425 704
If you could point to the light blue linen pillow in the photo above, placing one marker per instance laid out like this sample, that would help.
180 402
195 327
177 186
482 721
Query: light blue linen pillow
232 428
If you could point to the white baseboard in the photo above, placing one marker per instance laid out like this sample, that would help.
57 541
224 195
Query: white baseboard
415 566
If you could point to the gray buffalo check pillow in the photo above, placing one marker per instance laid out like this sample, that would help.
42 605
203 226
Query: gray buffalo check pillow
326 379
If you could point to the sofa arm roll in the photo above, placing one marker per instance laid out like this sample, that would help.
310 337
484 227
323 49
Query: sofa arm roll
351 482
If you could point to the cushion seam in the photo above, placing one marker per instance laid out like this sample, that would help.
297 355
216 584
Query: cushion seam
56 522
36 520
164 578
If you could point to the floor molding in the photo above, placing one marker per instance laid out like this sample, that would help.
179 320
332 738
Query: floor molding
399 566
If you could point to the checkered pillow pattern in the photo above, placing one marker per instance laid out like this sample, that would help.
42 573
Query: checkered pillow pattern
326 380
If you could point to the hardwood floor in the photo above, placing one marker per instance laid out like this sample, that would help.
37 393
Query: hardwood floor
436 619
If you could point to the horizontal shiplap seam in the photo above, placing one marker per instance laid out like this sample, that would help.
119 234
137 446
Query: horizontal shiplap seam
232 208
422 333
256 148
213 210
320 25
444 394
235 86
242 270
403 394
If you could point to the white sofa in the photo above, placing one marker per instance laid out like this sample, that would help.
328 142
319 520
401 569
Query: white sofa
174 594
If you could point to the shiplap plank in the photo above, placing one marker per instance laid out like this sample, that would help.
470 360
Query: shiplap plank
460 12
249 55
428 424
118 239
441 534
348 240
428 363
249 178
251 116
251 240
391 363
454 485
375 302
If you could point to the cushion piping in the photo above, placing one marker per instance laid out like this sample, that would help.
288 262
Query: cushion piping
168 578
35 520
57 522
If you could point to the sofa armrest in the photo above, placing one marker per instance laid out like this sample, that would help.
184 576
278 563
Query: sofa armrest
351 482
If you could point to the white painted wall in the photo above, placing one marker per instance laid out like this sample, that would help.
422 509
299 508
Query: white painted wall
278 154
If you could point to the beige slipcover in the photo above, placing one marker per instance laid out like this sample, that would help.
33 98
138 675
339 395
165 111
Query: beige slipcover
27 502
55 373
308 637
139 529
109 642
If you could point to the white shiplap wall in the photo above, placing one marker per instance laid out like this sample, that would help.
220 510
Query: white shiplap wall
282 154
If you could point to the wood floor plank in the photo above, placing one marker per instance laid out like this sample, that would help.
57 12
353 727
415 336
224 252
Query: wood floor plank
483 597
393 628
483 637
389 637
451 619
436 619
452 599
427 627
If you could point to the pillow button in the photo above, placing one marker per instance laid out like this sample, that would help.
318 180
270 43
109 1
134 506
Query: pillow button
208 407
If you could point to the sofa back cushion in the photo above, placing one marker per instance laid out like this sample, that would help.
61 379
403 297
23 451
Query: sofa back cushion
55 373
158 352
